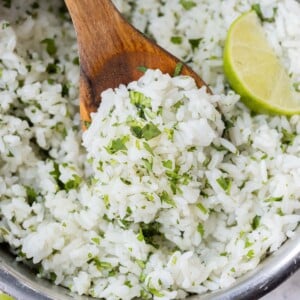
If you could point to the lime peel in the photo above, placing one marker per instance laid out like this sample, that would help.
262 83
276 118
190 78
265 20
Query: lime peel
254 71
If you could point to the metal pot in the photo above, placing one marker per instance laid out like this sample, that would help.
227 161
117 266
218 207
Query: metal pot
19 281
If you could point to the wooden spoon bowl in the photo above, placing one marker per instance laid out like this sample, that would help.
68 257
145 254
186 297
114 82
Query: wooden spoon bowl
111 52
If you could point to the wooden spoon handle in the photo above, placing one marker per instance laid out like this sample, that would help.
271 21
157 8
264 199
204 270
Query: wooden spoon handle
111 50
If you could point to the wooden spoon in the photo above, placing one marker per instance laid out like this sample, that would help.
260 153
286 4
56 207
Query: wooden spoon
111 52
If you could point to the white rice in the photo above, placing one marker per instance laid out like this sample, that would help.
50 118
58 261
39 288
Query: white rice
181 193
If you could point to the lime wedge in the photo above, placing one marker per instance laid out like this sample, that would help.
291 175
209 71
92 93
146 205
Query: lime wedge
254 71
5 296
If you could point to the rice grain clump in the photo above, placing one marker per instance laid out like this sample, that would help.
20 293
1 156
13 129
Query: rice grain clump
174 191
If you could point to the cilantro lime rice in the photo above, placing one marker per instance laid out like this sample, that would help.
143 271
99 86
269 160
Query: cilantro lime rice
171 191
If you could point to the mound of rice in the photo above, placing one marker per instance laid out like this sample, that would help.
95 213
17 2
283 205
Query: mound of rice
173 191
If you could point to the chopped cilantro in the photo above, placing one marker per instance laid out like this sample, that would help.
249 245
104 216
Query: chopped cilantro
140 263
76 61
248 243
200 229
140 236
50 46
141 102
31 195
195 43
142 69
52 276
73 183
106 201
187 4
137 131
250 254
128 283
86 124
52 68
170 134
155 292
148 148
150 131
287 137
175 179
202 208
176 40
255 222
256 7
274 199
65 90
178 104
96 240
178 69
117 145
167 164
225 184
101 264
164 197
148 164
125 181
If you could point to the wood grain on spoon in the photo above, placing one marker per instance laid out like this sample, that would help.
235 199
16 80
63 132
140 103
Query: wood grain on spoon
111 52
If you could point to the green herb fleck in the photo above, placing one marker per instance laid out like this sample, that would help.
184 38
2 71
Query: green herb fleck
167 164
50 46
287 137
178 69
225 184
195 43
141 102
140 263
117 145
150 131
96 240
76 61
170 134
274 199
52 68
140 236
31 195
106 201
202 208
187 4
128 283
256 7
200 229
176 40
73 183
248 243
250 254
164 197
148 164
178 104
142 69
148 148
125 181
255 222
155 292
